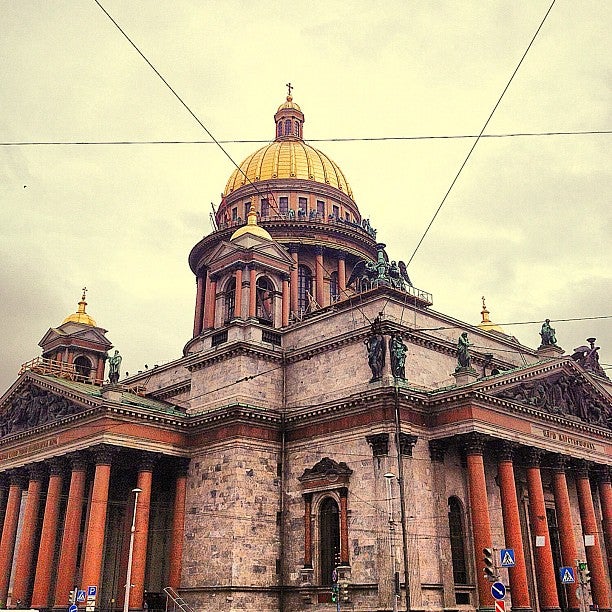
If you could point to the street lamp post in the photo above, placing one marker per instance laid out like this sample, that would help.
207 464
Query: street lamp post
389 478
128 579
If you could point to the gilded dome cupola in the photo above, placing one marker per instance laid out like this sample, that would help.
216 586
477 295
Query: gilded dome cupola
289 119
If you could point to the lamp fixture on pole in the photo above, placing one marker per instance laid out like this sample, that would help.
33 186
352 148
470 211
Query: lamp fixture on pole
128 578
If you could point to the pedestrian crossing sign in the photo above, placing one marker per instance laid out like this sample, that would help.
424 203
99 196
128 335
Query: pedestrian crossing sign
567 575
80 596
507 557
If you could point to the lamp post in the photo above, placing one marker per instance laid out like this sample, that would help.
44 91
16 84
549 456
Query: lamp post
128 578
389 478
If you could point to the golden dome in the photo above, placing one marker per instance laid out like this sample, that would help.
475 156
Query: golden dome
486 324
289 103
251 227
80 316
288 159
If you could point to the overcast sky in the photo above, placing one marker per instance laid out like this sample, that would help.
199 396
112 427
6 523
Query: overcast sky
527 224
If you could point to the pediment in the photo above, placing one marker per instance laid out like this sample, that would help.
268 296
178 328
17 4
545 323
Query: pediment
87 333
248 247
563 391
28 405
326 468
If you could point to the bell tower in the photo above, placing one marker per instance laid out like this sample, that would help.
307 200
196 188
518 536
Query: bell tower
78 348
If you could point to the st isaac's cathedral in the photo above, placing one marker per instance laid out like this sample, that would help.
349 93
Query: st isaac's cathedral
326 441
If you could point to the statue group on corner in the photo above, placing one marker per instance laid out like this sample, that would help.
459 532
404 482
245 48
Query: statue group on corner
547 333
377 350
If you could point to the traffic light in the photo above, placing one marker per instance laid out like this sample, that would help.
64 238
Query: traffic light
72 596
584 572
489 565
344 593
334 593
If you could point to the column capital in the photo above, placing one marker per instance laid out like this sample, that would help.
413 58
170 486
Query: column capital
379 443
533 456
603 474
182 466
4 480
319 249
343 492
146 461
307 497
437 449
36 471
17 477
341 255
581 467
406 443
57 466
103 454
78 461
294 248
558 463
506 450
474 443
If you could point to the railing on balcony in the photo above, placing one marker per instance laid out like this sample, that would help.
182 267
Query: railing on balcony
60 369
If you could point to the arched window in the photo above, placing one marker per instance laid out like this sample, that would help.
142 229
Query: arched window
304 287
297 128
229 300
83 366
334 288
329 538
457 540
279 129
287 127
265 300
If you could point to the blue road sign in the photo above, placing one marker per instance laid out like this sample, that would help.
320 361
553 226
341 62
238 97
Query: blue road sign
507 557
92 591
567 575
498 590
80 596
73 608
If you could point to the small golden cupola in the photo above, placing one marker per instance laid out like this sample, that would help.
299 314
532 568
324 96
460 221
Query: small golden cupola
289 119
251 227
80 316
486 324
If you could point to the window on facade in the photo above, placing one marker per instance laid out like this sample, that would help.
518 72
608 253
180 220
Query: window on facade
304 287
230 300
329 528
265 299
283 203
321 208
287 127
334 288
347 216
82 365
234 213
457 541
336 211
303 204
265 207
297 128
279 129
247 208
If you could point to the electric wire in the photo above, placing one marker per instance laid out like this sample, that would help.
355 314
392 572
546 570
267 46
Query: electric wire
338 139
484 127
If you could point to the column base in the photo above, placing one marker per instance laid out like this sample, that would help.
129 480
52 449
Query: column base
543 609
523 609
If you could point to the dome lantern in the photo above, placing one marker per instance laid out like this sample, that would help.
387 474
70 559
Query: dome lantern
289 119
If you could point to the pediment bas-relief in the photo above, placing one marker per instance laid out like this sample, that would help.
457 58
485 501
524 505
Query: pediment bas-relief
33 406
563 395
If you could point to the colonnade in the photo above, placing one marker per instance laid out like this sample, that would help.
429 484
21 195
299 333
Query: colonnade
246 275
34 560
531 460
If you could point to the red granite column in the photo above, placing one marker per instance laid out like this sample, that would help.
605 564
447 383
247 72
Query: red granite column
342 273
600 587
344 551
238 299
319 269
286 303
605 497
4 491
96 526
141 534
178 526
9 533
563 510
209 303
25 550
41 595
479 511
100 369
197 316
512 527
66 579
293 250
307 530
252 292
545 569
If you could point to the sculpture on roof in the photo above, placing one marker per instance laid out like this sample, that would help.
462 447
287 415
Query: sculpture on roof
397 353
588 357
370 274
114 363
547 334
463 351
375 343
